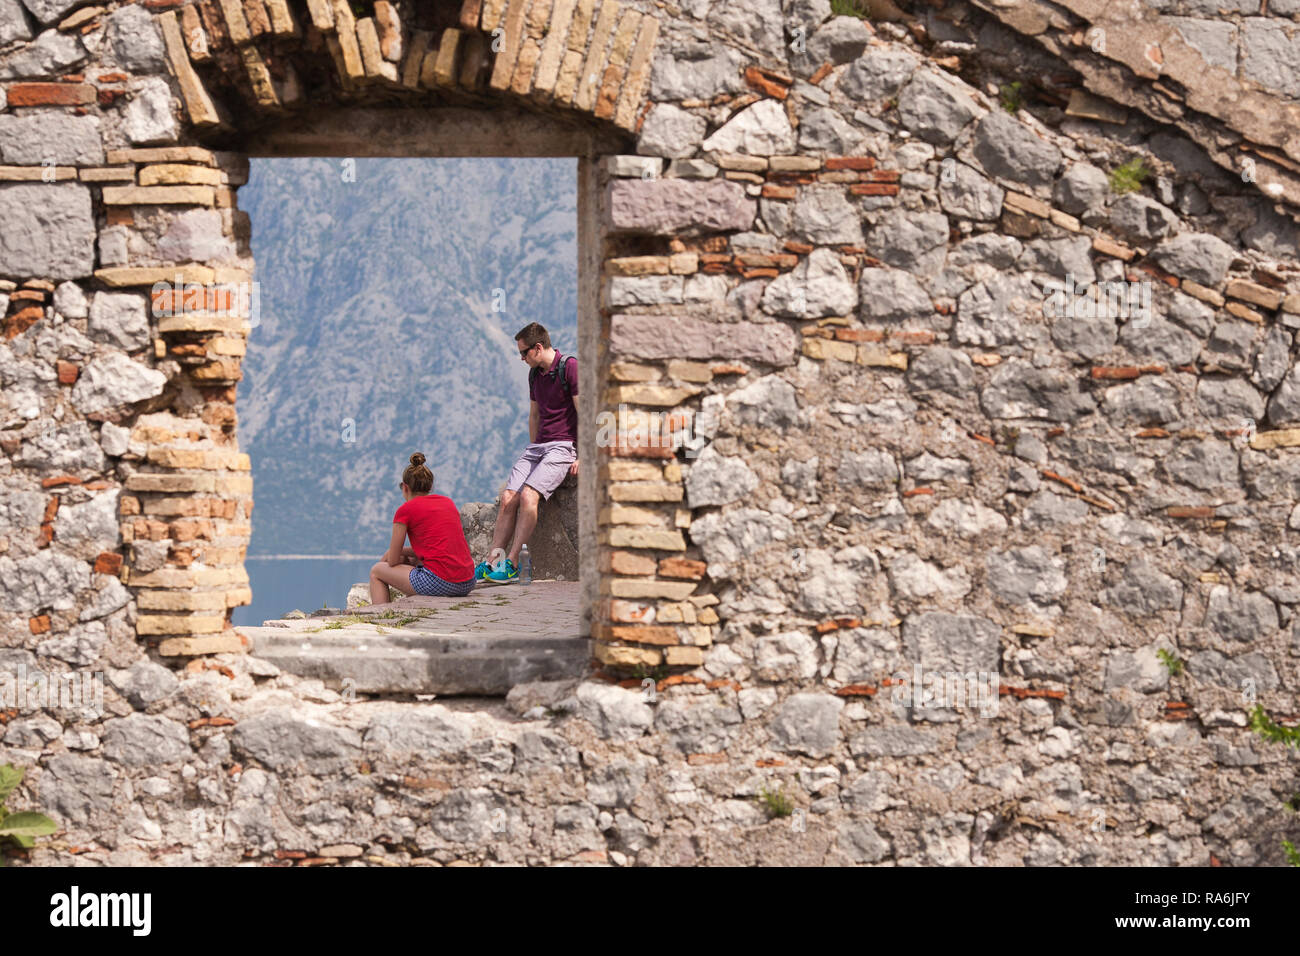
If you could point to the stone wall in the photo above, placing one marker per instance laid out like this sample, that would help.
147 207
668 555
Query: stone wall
833 255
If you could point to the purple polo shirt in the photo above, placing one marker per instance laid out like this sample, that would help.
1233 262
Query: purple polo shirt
558 419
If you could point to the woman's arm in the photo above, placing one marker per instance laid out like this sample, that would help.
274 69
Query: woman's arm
394 553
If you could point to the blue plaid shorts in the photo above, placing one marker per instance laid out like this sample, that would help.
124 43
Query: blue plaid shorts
429 584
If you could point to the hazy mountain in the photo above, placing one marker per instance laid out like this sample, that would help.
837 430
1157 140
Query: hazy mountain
377 306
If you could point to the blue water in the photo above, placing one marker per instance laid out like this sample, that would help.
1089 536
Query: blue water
280 586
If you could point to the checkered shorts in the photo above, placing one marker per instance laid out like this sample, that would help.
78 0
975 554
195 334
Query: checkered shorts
429 584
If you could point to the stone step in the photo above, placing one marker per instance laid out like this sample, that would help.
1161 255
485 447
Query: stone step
419 662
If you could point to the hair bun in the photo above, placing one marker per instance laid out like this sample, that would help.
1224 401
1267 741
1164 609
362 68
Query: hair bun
417 459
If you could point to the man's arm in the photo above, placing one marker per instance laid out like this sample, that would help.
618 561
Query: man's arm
534 416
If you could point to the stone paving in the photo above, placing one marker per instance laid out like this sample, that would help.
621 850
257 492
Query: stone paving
540 609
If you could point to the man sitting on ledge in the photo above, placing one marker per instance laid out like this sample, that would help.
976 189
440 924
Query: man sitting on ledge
551 455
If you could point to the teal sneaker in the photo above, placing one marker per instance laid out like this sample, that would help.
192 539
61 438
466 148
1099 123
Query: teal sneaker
481 570
508 572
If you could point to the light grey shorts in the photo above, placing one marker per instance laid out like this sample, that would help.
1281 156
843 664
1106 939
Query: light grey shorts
543 467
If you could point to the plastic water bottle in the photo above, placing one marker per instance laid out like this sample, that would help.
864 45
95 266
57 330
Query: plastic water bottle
525 566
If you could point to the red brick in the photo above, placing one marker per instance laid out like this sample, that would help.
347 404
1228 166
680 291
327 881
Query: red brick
112 78
856 690
916 337
860 335
918 491
729 369
760 273
682 568
51 94
873 189
45 535
51 508
22 320
120 216
1190 511
1072 485
108 562
68 371
798 248
110 95
756 80
773 191
770 762
885 176
1020 693
195 298
1115 371
823 71
56 480
698 760
39 624
850 162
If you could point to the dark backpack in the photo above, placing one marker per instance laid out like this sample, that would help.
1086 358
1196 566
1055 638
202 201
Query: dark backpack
561 369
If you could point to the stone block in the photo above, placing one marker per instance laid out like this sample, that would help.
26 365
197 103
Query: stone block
681 337
663 206
48 230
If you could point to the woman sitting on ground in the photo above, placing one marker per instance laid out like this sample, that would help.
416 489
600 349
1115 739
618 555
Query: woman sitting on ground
437 562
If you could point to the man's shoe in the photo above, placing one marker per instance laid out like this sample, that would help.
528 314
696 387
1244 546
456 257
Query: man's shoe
481 570
504 572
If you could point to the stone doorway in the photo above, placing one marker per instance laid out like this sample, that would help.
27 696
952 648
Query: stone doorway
497 637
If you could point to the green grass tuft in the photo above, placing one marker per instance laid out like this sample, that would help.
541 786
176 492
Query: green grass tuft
1128 178
1012 97
1173 663
777 803
1272 731
849 8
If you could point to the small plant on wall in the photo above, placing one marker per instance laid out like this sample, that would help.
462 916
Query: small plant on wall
20 829
1012 96
849 8
1129 177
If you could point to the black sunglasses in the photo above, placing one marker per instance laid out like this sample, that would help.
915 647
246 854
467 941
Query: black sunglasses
523 352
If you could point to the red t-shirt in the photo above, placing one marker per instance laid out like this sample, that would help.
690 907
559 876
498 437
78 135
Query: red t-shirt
437 537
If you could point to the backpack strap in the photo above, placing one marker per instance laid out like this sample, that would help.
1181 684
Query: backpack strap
564 372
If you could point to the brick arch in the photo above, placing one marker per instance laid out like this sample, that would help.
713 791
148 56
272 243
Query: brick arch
244 65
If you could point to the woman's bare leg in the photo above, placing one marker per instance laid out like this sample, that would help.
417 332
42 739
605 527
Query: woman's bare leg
383 574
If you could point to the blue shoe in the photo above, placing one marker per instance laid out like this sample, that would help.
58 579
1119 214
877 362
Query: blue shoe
504 572
481 570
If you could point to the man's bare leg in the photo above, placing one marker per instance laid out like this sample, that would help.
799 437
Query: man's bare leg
526 520
505 527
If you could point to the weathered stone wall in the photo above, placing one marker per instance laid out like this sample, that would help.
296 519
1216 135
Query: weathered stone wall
831 265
